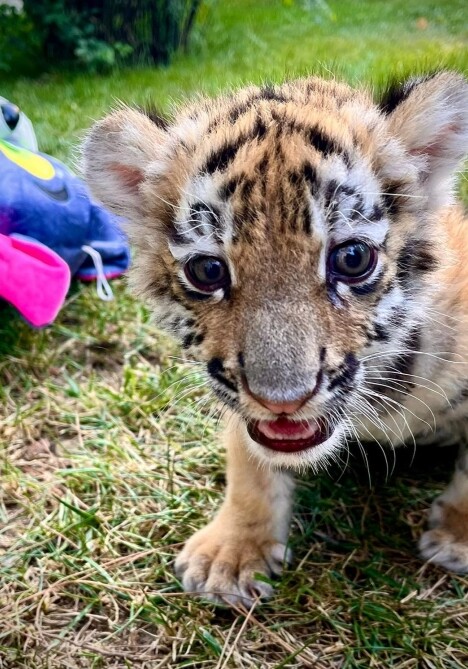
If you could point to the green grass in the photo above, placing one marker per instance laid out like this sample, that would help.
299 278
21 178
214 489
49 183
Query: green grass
109 455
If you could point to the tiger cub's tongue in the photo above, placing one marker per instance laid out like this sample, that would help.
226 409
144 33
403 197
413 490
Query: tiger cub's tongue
284 428
289 436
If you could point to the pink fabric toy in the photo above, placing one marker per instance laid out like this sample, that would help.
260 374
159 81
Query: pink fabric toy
33 278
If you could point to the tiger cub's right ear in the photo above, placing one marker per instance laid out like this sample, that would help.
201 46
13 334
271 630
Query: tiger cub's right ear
116 156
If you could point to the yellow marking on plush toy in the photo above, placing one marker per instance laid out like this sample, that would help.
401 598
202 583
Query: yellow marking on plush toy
36 165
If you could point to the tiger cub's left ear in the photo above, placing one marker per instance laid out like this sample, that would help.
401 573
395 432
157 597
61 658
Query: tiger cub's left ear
430 117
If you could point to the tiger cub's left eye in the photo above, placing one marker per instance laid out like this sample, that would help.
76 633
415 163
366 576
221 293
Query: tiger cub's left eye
352 261
207 273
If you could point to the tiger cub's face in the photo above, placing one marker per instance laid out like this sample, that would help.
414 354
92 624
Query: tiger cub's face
285 235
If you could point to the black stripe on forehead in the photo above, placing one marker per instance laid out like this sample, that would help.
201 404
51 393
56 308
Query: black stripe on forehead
310 174
270 92
267 92
260 172
241 107
246 188
304 219
324 144
245 213
305 173
220 158
229 188
304 179
313 135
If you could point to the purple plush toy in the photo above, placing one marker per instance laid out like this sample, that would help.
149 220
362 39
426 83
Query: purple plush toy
50 230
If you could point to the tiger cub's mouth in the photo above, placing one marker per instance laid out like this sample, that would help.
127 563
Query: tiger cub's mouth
289 436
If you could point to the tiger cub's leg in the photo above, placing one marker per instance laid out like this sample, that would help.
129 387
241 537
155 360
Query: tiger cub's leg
247 536
446 542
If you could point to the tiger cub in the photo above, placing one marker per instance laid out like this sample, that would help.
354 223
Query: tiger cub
303 241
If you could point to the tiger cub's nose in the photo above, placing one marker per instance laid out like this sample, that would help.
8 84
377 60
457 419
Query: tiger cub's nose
287 407
281 407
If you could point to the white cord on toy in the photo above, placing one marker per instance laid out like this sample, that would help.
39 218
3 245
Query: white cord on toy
103 288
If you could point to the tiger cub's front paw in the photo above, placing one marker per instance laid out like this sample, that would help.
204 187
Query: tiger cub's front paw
446 543
220 563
